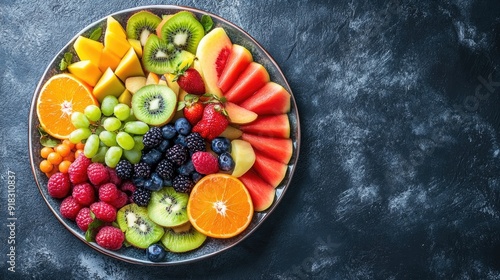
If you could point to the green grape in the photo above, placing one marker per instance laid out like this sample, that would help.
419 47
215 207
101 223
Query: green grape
134 156
79 134
124 140
139 145
92 112
79 120
112 124
131 116
108 138
91 146
113 156
101 153
136 127
108 105
122 111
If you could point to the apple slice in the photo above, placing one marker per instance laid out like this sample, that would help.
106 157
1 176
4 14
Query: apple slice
231 133
243 157
133 84
238 114
108 84
251 79
152 79
237 62
212 53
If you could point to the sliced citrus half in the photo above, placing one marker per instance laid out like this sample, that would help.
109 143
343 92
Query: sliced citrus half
60 96
220 206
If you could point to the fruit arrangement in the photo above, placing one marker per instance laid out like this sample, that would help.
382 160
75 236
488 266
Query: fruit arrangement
159 132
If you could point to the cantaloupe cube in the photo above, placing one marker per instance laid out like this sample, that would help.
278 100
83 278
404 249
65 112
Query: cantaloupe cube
86 71
108 84
108 60
136 44
113 26
116 44
88 49
130 66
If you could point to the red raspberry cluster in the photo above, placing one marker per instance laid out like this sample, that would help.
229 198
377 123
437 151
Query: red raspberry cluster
92 191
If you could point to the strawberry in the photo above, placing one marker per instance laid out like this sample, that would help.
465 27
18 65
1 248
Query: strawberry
189 79
213 122
193 109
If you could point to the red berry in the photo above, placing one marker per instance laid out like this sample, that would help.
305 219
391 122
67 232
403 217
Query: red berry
120 201
110 238
98 173
193 110
84 194
213 122
103 211
128 187
83 219
59 185
78 169
205 163
113 176
69 208
108 192
191 81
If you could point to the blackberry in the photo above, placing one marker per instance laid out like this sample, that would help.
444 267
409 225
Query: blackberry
141 196
124 169
142 170
152 138
165 169
195 143
183 184
177 154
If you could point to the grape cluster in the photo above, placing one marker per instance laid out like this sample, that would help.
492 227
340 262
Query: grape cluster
110 132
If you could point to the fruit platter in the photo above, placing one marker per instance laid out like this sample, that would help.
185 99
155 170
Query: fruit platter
161 135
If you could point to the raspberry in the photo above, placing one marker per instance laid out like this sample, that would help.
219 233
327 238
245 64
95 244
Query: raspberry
124 169
78 169
165 169
142 170
183 184
69 208
98 173
108 192
113 176
141 197
195 142
84 194
103 211
205 163
59 185
83 219
177 154
120 201
152 138
110 238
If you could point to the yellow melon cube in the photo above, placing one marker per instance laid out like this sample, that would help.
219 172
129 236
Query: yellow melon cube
88 49
136 44
126 98
116 44
86 71
108 60
108 84
129 66
113 26
152 79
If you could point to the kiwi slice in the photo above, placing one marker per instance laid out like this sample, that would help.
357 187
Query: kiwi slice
184 31
161 57
142 24
139 230
182 239
154 104
168 207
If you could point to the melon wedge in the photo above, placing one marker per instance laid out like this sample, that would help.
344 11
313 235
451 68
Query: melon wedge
261 192
212 53
251 79
238 114
269 125
271 99
280 149
238 60
272 171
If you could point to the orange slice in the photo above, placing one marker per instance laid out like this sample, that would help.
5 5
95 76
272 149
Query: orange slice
220 206
60 96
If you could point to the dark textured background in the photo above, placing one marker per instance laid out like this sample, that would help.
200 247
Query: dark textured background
398 176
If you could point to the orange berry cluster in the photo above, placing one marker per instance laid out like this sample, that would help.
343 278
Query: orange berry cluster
60 157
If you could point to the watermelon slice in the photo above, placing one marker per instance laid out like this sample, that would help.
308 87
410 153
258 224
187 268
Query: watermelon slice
262 193
280 149
236 63
271 99
270 170
251 79
269 125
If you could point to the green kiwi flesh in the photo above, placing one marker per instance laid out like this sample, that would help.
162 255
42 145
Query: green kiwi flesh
184 31
154 104
141 24
139 230
161 57
168 207
182 241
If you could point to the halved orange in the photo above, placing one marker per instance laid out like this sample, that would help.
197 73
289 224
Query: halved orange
60 96
220 206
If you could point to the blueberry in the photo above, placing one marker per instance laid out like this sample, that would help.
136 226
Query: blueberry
164 145
152 157
168 131
221 145
196 176
138 182
156 253
182 126
148 184
181 139
186 169
226 162
156 182
167 182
